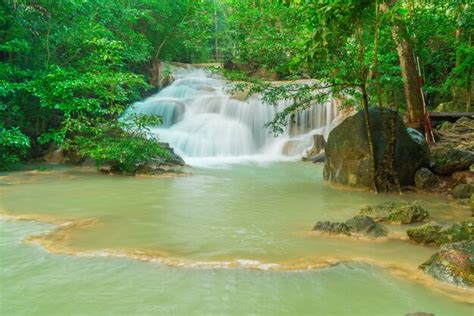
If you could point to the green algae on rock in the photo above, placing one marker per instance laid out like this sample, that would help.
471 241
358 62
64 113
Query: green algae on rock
396 212
453 263
360 225
447 160
437 235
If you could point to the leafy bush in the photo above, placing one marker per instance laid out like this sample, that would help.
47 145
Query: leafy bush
124 145
123 153
13 146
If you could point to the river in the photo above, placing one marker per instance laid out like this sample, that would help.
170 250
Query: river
231 238
227 240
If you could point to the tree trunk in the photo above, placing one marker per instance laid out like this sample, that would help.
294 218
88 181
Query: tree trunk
410 77
155 75
469 84
376 55
387 176
411 82
365 101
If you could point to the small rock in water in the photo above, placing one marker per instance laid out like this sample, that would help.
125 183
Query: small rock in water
437 235
321 157
358 225
334 228
105 168
318 146
365 225
453 263
396 212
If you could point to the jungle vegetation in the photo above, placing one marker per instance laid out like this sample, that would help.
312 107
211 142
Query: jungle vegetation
69 68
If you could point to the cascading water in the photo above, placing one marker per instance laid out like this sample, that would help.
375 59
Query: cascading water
203 119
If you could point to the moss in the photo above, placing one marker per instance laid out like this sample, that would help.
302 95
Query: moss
396 212
453 263
437 235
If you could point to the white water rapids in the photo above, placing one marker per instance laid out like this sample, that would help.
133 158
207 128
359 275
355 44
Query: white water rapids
204 122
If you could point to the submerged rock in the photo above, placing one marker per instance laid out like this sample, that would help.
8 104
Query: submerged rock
333 228
438 235
396 212
348 161
447 160
365 225
321 157
359 225
314 152
453 263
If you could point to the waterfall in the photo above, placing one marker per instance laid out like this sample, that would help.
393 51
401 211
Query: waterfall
203 119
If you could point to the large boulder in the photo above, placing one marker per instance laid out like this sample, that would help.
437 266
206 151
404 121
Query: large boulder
396 212
453 263
348 161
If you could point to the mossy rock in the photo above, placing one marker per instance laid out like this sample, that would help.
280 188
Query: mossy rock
360 225
424 179
332 228
396 212
437 235
448 160
453 263
348 160
365 225
463 191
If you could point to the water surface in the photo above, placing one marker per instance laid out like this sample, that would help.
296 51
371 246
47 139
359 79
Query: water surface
253 219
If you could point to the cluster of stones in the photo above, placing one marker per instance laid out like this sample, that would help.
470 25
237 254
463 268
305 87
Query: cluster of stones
453 263
368 222
452 163
447 168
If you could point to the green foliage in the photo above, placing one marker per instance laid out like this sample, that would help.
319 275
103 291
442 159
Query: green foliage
68 69
123 144
349 46
13 146
121 150
263 37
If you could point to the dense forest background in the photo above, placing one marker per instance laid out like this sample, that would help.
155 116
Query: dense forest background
69 68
